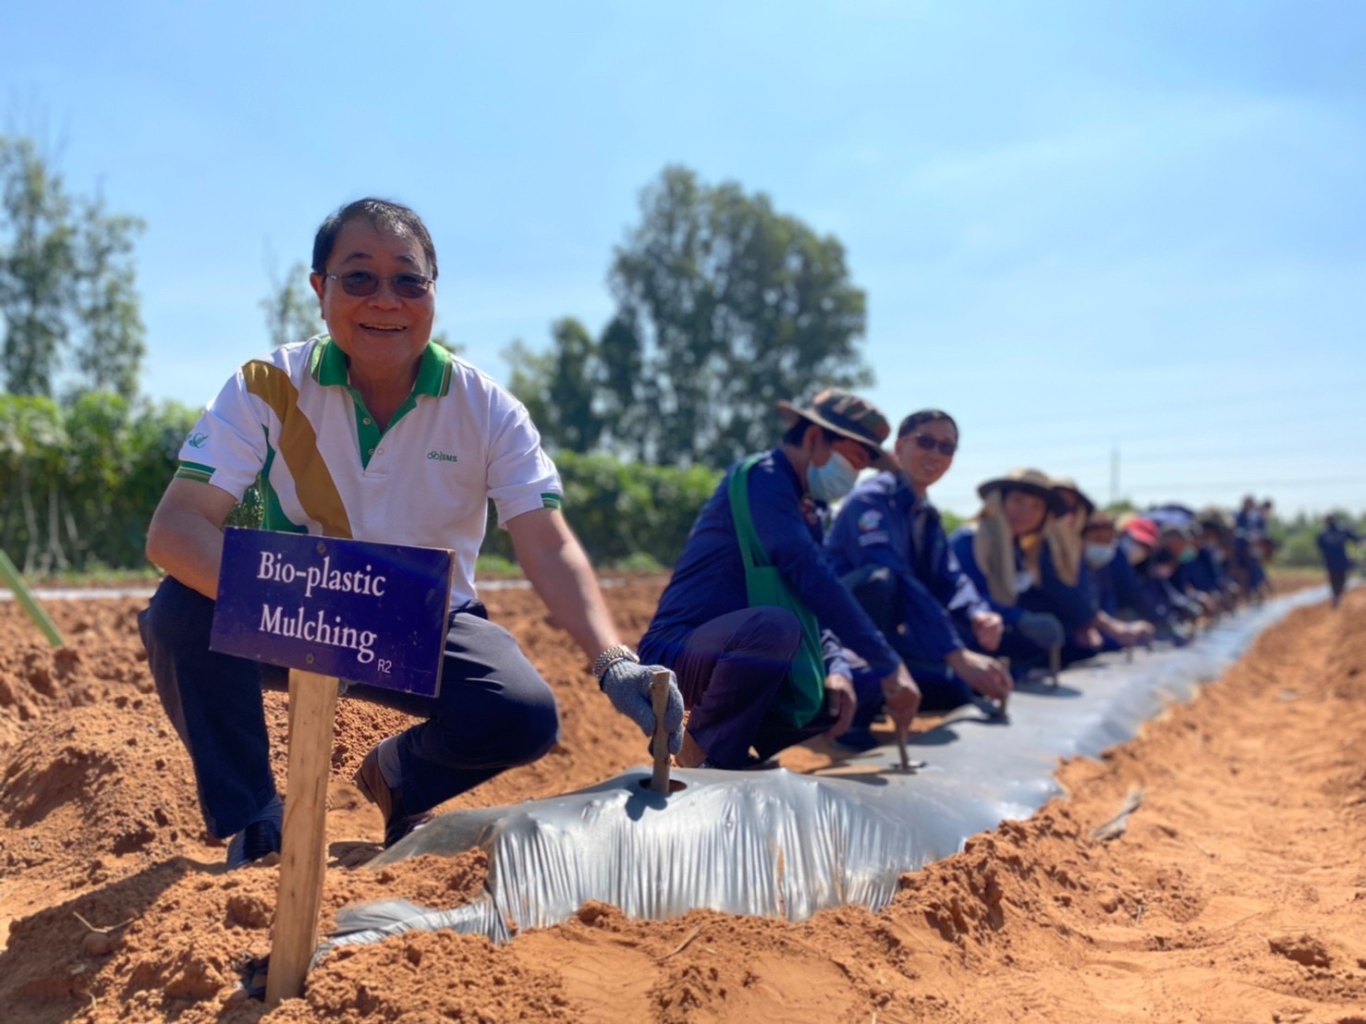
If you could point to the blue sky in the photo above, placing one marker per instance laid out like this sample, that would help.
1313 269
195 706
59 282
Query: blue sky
1082 226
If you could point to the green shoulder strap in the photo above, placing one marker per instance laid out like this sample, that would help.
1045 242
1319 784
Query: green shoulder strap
803 695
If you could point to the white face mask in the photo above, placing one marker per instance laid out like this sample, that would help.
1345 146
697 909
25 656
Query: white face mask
1133 550
1098 556
832 481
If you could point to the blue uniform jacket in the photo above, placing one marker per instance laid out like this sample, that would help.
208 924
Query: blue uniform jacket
1101 583
1164 600
961 545
1251 523
1075 605
709 580
876 525
1200 574
1116 588
1333 546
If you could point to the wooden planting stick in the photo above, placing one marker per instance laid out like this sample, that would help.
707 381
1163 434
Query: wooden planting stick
659 744
312 705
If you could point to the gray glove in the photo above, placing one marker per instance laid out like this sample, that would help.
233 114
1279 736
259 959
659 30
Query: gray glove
627 686
1041 629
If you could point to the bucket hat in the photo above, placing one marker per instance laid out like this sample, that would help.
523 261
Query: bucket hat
848 415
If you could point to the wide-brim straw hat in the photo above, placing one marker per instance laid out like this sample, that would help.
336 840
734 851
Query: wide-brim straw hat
849 416
1033 481
1099 521
1066 483
1217 518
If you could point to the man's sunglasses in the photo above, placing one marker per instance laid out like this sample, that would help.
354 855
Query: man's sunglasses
930 444
362 282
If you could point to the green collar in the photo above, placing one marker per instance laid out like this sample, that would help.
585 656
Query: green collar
329 367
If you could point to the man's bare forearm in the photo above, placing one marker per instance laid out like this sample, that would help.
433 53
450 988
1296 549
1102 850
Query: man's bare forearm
555 563
189 548
185 536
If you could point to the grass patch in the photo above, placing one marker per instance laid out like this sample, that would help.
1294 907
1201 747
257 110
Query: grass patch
100 576
495 567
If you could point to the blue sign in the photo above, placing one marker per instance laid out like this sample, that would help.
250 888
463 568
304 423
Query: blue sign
364 612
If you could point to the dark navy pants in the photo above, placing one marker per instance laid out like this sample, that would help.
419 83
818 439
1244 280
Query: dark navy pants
494 710
730 670
877 589
1337 582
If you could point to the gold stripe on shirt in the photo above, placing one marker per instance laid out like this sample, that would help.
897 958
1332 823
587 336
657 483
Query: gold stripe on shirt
298 446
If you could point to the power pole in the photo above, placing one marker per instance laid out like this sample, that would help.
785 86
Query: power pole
1114 473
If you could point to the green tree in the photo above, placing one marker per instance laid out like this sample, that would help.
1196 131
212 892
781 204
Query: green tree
67 283
561 388
530 383
627 514
726 306
78 482
291 308
1296 539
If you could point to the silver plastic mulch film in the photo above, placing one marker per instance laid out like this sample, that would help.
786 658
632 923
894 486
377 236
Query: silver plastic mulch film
778 844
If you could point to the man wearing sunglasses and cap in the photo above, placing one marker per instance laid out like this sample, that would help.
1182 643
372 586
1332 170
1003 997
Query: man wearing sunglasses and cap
889 547
374 432
754 619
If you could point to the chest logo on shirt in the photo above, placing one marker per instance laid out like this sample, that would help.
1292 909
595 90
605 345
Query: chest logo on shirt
197 440
870 520
437 456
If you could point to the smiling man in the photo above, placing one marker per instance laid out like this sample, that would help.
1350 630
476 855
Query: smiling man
374 432
889 547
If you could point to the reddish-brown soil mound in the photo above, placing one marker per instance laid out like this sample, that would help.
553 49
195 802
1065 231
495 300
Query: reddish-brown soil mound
1236 893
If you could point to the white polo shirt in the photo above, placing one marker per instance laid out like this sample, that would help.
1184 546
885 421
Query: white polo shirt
292 422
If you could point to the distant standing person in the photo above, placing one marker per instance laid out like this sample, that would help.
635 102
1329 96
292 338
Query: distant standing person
1333 542
341 433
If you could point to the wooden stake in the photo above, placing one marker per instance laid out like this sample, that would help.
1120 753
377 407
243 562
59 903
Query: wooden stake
659 745
901 751
312 706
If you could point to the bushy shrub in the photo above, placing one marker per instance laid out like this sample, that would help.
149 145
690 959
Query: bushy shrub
627 514
1297 539
79 483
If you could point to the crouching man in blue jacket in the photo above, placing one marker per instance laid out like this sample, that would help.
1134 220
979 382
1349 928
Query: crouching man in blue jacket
889 547
754 620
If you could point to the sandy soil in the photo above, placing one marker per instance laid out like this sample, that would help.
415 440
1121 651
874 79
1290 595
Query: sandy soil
1237 893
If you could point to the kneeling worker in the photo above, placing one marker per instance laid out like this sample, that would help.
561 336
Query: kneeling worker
754 620
889 547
